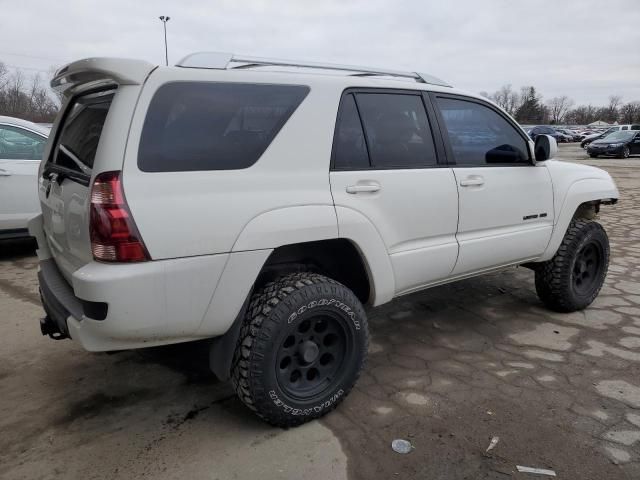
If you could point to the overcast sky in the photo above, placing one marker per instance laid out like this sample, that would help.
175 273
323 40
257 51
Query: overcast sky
586 49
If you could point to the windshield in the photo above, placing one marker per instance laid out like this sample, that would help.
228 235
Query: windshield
620 136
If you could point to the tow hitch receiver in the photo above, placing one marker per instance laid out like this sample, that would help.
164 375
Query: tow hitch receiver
49 327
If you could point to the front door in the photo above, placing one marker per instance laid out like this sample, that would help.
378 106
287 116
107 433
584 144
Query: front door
506 202
385 167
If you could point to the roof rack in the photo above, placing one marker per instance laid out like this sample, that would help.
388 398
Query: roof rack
223 61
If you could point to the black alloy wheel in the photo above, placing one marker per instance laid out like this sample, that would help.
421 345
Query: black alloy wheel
587 268
312 355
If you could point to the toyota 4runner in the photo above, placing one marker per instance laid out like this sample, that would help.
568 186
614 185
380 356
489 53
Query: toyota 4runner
261 203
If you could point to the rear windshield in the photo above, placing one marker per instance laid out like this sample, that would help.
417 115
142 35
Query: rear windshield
77 141
213 126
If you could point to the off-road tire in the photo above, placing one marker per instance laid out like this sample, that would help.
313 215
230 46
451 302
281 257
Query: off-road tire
276 313
556 279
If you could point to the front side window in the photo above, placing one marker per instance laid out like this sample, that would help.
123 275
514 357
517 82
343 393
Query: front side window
397 130
19 144
195 126
480 136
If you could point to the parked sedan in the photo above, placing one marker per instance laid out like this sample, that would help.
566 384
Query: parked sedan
544 130
620 144
571 136
21 148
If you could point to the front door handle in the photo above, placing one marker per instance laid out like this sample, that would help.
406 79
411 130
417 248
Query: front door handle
4 173
363 188
472 181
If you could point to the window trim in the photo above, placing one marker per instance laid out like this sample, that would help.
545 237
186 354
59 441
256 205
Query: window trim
20 127
445 133
433 126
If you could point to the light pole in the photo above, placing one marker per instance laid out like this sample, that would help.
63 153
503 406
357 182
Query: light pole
164 21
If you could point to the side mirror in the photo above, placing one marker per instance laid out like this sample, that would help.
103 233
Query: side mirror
546 148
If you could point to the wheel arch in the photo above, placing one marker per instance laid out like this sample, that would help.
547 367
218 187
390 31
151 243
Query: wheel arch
583 200
338 258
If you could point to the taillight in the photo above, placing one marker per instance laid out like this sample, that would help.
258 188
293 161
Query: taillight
114 235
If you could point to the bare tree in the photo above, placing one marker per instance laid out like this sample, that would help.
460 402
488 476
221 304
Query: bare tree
26 98
506 98
630 112
4 76
558 108
610 113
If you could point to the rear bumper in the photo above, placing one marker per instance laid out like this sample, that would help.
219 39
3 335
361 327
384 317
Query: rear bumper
147 303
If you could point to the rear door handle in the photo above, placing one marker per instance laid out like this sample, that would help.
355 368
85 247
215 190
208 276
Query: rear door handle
363 188
472 181
4 173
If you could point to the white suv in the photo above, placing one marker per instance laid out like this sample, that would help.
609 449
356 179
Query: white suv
262 203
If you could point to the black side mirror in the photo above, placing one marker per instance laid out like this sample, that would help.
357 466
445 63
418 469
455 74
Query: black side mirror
546 148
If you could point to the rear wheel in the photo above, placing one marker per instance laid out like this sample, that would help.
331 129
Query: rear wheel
301 348
572 279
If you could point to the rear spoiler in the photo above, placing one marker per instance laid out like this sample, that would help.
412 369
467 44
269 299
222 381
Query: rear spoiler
94 72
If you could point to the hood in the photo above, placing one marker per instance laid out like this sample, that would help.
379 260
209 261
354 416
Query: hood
576 171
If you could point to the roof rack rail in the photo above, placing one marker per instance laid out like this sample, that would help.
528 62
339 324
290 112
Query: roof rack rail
223 61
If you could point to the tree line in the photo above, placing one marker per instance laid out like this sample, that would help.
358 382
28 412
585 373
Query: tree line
528 107
26 98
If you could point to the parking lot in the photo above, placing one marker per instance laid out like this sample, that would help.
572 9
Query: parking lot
448 369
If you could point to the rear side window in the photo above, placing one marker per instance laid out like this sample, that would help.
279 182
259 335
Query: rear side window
479 136
397 130
81 129
193 126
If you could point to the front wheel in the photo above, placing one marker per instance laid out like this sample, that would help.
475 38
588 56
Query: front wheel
301 348
572 279
625 152
593 155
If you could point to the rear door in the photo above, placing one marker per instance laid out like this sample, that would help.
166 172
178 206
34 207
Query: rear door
506 202
66 178
385 167
20 154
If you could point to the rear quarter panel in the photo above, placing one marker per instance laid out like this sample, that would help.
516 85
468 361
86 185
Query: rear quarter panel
196 213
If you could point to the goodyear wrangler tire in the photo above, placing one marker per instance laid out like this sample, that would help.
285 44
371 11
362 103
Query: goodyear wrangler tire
572 279
301 348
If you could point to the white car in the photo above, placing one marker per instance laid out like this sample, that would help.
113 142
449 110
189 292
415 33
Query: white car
21 147
261 203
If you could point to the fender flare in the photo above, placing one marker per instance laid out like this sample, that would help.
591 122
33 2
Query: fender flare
581 191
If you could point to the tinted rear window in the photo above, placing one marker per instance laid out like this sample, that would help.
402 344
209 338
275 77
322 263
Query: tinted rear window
194 126
81 129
